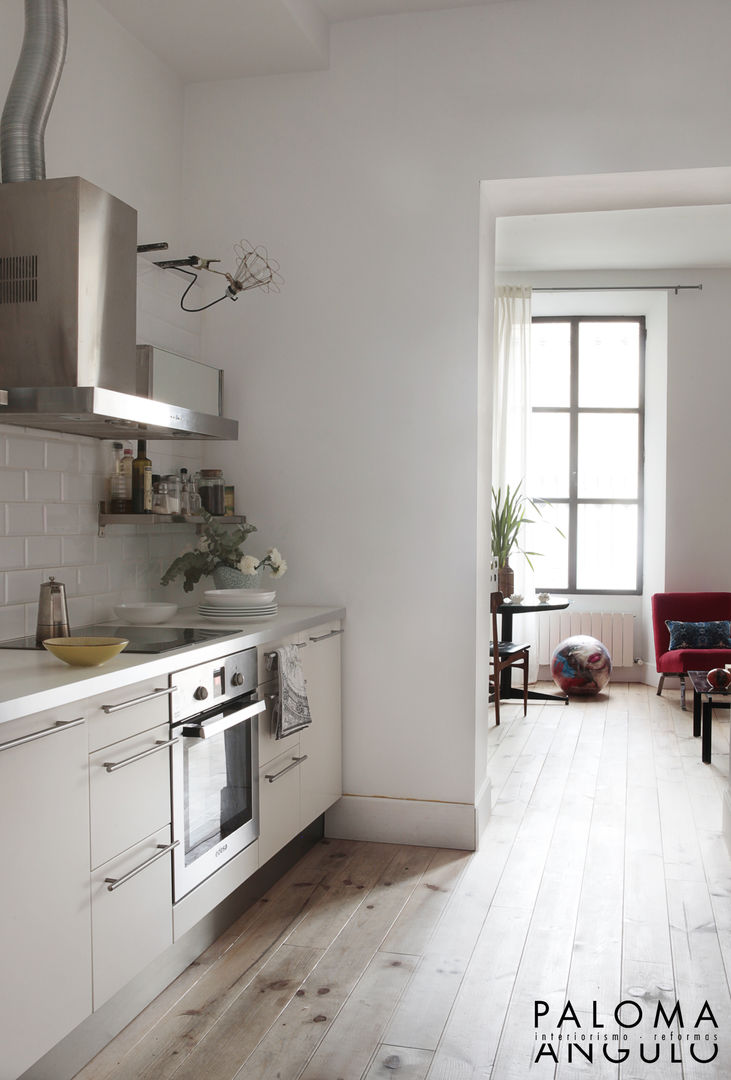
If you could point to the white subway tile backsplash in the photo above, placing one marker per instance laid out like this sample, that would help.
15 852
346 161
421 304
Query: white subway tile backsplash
62 518
62 456
42 551
76 550
81 611
24 519
42 486
12 485
12 621
23 586
25 451
77 487
93 579
12 553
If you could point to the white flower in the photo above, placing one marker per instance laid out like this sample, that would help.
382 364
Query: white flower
276 562
249 564
204 543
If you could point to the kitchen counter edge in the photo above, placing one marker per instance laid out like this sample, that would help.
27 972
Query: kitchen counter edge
55 684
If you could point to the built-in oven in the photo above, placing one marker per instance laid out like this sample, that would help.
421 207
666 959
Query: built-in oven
215 769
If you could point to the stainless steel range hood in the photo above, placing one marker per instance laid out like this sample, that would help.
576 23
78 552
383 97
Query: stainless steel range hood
68 283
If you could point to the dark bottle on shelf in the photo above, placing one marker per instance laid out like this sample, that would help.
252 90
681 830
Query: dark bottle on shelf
142 481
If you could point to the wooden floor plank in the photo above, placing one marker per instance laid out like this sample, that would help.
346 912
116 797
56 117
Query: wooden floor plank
403 1061
603 875
347 1048
289 1044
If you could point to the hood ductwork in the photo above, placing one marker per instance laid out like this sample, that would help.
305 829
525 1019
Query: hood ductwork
68 277
32 91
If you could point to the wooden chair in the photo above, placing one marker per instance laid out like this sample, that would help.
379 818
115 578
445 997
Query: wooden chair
505 654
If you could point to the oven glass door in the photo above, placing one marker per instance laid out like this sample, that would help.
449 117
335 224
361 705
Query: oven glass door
215 791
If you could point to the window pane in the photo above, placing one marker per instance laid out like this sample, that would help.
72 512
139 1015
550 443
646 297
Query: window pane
608 455
606 547
550 356
552 564
609 365
548 468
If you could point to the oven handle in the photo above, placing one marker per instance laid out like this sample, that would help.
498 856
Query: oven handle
113 883
139 700
206 729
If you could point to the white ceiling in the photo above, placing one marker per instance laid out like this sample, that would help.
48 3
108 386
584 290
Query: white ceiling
226 39
660 238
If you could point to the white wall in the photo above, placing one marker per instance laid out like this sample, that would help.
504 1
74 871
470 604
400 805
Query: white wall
358 384
117 116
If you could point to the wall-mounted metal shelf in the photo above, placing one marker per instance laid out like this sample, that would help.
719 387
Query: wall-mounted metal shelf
155 520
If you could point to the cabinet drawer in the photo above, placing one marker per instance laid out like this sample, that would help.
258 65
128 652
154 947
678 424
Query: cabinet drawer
269 746
130 794
279 802
136 708
133 923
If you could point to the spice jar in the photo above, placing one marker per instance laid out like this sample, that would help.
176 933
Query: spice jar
211 491
173 485
160 498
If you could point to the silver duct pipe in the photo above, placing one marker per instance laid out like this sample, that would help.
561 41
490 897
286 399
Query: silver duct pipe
29 101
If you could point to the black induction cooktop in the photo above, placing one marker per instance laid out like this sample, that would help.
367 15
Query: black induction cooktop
142 639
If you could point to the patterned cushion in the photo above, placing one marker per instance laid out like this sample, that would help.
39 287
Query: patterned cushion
699 635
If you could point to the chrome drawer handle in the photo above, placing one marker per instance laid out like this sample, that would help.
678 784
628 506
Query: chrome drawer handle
61 725
160 744
113 883
324 637
138 700
271 777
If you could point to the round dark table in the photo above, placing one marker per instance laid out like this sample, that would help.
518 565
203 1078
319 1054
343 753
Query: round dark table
506 611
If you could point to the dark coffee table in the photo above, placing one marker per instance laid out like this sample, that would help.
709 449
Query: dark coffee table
702 725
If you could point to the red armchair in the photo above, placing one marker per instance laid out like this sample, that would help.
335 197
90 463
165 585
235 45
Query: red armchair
687 607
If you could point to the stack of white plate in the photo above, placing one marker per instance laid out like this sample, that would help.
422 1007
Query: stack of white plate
238 604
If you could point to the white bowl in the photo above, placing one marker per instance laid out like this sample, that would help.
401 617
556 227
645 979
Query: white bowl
239 597
145 614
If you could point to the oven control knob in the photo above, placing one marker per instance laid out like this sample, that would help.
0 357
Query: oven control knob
237 679
200 694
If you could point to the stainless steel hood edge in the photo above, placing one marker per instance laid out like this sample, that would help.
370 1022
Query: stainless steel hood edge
108 414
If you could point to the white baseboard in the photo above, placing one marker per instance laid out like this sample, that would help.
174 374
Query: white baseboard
483 808
727 817
403 821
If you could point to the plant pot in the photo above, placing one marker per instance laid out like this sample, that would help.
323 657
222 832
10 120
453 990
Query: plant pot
506 580
228 577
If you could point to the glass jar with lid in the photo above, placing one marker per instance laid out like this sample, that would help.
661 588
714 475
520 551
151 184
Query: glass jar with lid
211 491
173 485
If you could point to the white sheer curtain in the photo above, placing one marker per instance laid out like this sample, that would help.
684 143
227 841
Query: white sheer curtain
511 418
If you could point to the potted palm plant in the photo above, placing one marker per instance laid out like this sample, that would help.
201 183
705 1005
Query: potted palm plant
509 515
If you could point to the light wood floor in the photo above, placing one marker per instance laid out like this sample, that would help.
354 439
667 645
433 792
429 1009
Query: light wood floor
603 876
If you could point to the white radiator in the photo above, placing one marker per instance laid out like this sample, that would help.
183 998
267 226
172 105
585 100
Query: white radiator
615 629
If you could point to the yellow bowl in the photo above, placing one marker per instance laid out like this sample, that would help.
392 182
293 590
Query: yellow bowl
85 651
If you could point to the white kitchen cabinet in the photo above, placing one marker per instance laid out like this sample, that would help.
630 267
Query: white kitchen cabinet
321 774
129 791
45 941
305 776
131 913
279 802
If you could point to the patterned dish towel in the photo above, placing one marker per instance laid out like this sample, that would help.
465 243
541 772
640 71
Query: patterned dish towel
291 709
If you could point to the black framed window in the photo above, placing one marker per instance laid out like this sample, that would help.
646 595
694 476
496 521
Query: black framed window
586 452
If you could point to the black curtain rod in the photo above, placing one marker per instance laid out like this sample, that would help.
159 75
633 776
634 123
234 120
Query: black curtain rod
614 288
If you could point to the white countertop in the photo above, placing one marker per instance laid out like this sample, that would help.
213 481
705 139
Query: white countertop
32 681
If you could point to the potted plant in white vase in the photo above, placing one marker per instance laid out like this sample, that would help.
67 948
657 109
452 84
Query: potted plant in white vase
219 555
